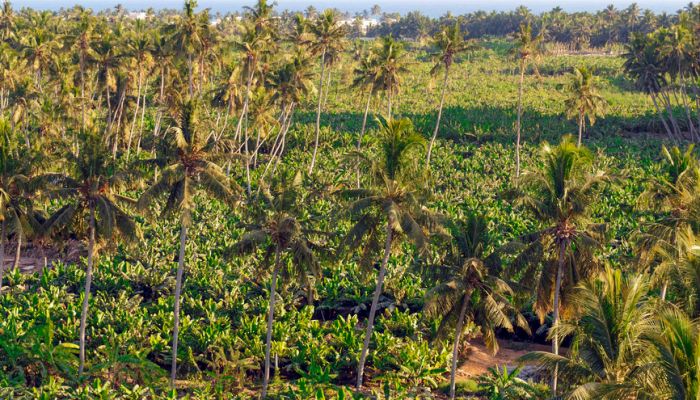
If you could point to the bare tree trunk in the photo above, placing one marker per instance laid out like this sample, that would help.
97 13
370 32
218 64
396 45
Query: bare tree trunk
580 128
373 308
2 251
455 346
143 115
661 116
189 75
318 113
133 122
439 116
18 251
270 320
86 294
518 122
664 290
362 134
178 292
555 306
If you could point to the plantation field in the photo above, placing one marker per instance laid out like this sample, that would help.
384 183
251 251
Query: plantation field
217 223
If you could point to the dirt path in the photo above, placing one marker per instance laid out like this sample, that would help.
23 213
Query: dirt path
480 359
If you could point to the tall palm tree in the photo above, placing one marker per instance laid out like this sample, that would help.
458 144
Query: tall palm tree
584 101
186 34
390 57
291 82
469 289
328 36
366 77
609 353
393 201
279 231
81 38
189 167
450 43
527 50
559 196
90 193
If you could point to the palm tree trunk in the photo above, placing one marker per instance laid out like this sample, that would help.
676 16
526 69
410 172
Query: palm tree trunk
518 123
2 251
388 99
270 320
133 122
555 306
318 112
373 308
86 294
189 75
455 346
18 251
661 116
580 128
664 290
362 134
82 87
176 310
439 116
143 115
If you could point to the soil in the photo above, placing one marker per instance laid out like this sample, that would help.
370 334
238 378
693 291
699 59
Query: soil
479 359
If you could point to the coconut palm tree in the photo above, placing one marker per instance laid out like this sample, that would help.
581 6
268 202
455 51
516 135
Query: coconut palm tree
189 167
16 187
186 34
393 202
391 61
366 77
678 348
93 206
674 197
291 83
527 50
469 289
278 231
584 101
610 357
450 43
559 196
328 35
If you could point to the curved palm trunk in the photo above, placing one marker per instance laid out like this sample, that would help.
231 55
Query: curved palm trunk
86 294
18 251
318 112
373 308
455 346
661 116
518 123
362 134
270 320
557 289
2 251
439 116
176 311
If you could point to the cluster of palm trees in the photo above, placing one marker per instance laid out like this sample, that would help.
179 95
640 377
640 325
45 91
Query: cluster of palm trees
576 30
666 65
189 109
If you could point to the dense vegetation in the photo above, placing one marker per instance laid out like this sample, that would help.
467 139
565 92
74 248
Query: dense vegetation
264 208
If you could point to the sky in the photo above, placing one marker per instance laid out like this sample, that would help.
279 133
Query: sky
430 7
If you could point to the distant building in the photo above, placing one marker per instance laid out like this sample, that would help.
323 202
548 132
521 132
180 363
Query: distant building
362 24
136 15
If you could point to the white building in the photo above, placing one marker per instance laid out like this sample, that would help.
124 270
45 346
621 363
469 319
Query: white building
362 23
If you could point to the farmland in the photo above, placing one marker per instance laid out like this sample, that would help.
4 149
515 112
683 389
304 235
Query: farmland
201 212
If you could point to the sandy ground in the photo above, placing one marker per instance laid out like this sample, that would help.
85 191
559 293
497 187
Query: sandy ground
479 359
